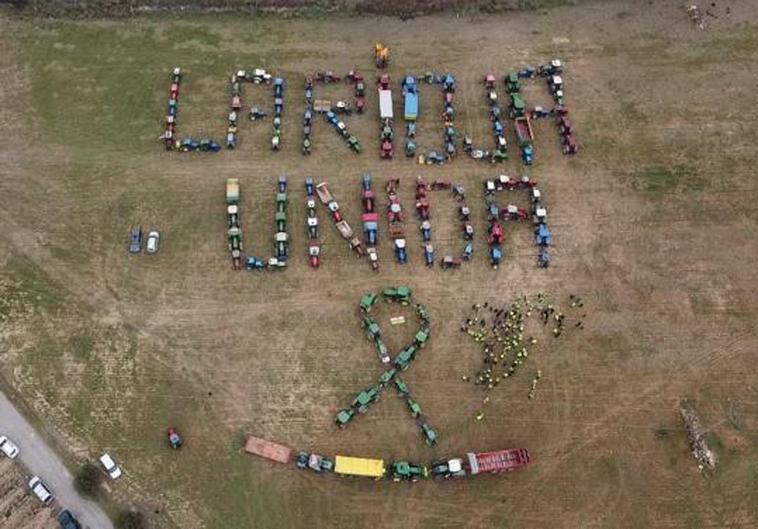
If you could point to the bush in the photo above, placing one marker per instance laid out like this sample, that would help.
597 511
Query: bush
87 481
130 519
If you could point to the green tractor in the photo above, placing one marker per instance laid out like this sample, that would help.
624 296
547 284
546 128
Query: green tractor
422 313
430 436
405 471
413 406
499 156
511 83
281 221
405 357
422 336
367 302
387 377
373 331
354 144
365 399
401 386
401 294
381 349
517 106
344 417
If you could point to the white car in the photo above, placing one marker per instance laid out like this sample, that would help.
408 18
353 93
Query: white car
8 447
152 241
110 466
41 490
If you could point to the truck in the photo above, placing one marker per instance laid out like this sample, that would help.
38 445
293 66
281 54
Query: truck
232 191
359 466
268 449
481 462
524 130
385 104
410 92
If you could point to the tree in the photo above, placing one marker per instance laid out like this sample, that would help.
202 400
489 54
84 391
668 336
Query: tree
130 519
88 480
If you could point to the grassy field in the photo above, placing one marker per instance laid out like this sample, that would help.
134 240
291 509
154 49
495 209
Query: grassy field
654 225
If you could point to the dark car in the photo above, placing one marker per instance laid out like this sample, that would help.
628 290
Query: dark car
67 520
135 240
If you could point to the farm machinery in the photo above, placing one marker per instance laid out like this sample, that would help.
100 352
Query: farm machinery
481 462
234 232
314 248
395 217
381 55
340 223
496 215
386 114
393 366
471 464
169 138
370 219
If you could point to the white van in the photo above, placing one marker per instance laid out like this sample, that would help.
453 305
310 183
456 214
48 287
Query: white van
41 490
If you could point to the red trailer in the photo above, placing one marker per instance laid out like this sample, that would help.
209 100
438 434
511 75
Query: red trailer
524 130
268 449
498 461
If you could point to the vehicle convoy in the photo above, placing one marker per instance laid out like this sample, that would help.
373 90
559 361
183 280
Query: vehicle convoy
481 462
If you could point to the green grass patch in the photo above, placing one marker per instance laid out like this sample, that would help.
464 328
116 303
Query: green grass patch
659 180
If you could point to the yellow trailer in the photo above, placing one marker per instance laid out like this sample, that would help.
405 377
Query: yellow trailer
359 466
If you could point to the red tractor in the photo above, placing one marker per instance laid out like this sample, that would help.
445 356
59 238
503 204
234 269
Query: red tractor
314 255
489 81
384 81
570 146
387 150
422 208
496 234
173 438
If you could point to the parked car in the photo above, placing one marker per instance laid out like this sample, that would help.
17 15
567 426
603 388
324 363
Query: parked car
67 520
110 466
43 493
135 240
152 241
8 447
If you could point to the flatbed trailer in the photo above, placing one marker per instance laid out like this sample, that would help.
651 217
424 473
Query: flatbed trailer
268 449
524 130
385 104
497 461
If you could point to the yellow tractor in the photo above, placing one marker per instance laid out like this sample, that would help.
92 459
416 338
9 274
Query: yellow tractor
381 55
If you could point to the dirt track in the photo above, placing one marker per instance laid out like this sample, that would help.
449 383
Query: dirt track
179 339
